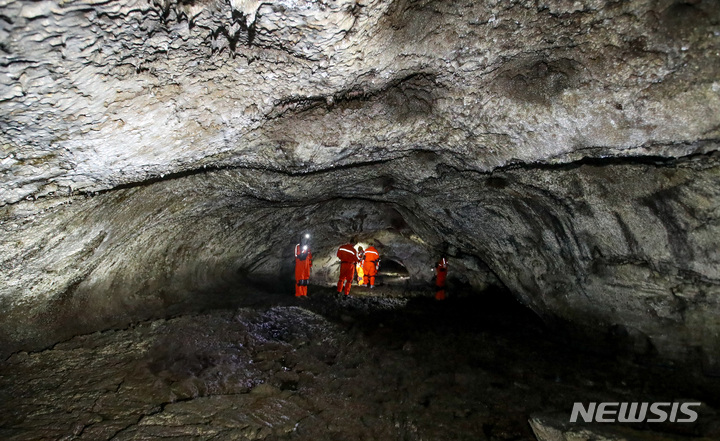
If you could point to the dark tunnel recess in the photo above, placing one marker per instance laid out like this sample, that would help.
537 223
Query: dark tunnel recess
211 239
392 271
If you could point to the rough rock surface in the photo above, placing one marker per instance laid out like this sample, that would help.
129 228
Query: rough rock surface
557 428
97 94
350 369
623 247
156 151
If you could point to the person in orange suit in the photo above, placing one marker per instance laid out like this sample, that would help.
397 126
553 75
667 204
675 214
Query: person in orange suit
440 277
371 265
348 258
303 263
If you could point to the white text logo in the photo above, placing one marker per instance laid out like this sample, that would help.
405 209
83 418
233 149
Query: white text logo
634 412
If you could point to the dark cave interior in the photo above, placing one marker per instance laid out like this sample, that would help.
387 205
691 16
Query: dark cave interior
160 160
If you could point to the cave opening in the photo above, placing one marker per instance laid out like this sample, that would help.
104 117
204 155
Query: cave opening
393 272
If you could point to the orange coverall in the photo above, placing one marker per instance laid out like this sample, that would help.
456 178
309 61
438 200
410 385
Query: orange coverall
370 266
348 258
303 263
440 276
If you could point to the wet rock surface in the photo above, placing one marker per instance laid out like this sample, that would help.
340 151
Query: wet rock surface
329 368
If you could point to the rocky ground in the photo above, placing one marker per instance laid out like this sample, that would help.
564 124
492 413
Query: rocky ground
365 368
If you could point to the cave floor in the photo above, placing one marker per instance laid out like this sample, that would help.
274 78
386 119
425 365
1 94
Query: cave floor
360 368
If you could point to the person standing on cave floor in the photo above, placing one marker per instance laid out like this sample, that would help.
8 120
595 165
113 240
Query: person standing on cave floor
303 264
359 266
371 265
440 277
348 258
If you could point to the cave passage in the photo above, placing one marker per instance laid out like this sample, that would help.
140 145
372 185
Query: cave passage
393 268
160 161
392 272
173 312
378 367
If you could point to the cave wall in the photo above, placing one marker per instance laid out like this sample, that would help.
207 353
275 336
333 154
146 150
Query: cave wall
79 264
629 247
155 154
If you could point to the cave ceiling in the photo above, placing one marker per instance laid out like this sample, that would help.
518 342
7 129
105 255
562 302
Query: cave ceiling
97 94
